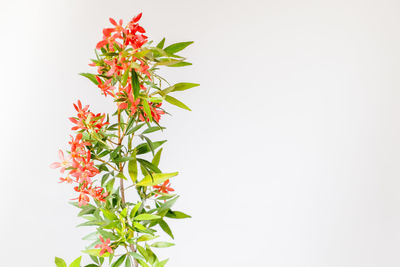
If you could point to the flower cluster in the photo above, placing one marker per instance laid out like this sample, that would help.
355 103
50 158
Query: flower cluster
120 45
87 120
79 162
104 246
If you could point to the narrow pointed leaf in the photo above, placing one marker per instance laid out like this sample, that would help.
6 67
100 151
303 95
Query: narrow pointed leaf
132 167
176 102
157 178
172 49
135 83
156 159
76 262
60 262
161 43
90 76
146 217
162 244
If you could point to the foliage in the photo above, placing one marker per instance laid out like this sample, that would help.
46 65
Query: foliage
112 155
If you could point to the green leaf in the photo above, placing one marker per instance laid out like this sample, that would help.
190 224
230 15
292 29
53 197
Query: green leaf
146 109
184 86
177 215
163 209
161 43
161 263
152 129
180 64
109 215
150 143
167 62
135 84
148 165
118 262
144 147
157 178
156 158
146 238
162 244
172 49
125 78
165 227
143 264
122 159
134 129
124 212
135 209
90 76
132 167
146 217
128 262
137 256
76 262
60 262
177 87
95 252
122 176
176 102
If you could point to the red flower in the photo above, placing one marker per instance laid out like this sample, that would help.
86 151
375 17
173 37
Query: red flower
144 69
104 246
114 68
82 112
64 163
131 34
109 40
67 179
118 27
164 188
83 198
105 86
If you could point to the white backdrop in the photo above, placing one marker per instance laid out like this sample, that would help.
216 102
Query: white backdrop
289 158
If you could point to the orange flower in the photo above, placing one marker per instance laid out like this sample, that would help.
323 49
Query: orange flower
105 87
64 163
164 188
104 246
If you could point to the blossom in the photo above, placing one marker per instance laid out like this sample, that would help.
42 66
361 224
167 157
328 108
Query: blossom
83 198
144 69
82 111
98 193
164 187
109 40
105 86
104 246
118 27
114 68
156 112
64 162
67 179
131 33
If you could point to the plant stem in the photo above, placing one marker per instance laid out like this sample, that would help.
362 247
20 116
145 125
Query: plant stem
121 181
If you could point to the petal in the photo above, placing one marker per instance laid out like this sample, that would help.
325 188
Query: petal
55 165
113 22
61 154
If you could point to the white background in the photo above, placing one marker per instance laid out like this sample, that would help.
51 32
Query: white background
289 158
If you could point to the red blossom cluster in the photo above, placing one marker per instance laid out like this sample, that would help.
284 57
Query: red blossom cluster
79 162
87 120
117 40
104 246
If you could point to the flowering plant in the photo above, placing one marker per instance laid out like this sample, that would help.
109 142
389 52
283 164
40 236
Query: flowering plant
106 158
